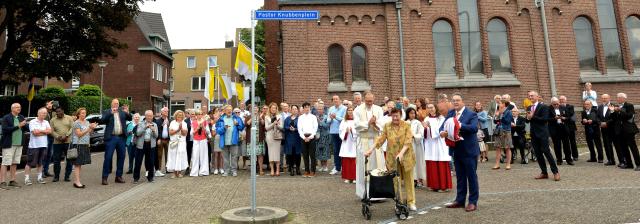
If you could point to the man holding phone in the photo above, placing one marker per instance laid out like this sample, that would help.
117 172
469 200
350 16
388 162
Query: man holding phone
114 137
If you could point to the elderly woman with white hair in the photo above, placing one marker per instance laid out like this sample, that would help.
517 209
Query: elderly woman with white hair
200 132
130 142
229 127
590 95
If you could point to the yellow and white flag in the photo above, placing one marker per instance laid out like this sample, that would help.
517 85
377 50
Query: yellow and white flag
225 86
209 87
243 62
240 91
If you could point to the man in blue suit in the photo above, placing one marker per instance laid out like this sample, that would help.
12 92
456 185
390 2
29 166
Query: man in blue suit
465 154
114 137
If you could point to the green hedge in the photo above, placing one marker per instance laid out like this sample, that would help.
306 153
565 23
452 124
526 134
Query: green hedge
69 103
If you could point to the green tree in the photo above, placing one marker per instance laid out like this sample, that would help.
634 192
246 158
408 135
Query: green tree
68 35
245 37
88 90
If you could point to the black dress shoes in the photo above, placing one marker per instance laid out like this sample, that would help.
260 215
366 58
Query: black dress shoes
609 163
591 161
570 163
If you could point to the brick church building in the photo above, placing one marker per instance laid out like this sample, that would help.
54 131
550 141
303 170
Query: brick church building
477 47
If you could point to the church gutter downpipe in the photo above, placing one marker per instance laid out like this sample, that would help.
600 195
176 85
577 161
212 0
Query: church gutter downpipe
404 85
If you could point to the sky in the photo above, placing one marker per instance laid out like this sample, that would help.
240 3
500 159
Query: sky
198 24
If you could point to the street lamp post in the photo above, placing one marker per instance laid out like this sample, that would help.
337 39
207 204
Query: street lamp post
101 64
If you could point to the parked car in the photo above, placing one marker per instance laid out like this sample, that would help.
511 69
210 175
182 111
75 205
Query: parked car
97 136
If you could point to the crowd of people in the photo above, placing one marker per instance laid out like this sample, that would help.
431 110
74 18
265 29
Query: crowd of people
432 140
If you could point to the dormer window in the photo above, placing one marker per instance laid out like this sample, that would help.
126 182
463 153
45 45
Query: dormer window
157 42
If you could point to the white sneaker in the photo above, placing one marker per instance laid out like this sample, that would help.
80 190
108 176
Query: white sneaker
27 181
334 172
412 208
346 181
222 171
146 173
41 181
159 174
215 172
235 174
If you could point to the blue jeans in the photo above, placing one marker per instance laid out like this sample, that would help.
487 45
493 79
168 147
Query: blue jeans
132 156
337 143
115 143
59 154
47 159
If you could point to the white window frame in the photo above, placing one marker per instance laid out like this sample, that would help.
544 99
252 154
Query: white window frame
209 61
199 102
9 90
201 83
194 61
158 68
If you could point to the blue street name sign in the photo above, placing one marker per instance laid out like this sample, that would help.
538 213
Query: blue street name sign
286 15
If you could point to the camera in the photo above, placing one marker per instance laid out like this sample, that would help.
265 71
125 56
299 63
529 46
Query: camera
55 104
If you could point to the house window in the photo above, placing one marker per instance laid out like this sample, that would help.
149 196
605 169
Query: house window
498 46
443 48
359 63
633 34
191 62
157 43
75 83
158 72
609 34
212 61
198 83
197 104
176 105
470 36
584 44
8 90
336 72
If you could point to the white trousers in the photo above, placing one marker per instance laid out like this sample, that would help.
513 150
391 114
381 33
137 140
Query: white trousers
199 159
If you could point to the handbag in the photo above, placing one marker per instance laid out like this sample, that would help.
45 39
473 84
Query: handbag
72 152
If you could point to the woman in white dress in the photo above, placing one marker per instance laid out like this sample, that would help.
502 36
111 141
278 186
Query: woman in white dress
436 152
419 172
348 134
177 154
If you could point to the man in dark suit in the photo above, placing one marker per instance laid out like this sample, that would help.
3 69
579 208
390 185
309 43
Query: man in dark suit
517 134
466 154
624 117
538 117
604 116
189 114
570 122
162 144
592 131
114 137
559 131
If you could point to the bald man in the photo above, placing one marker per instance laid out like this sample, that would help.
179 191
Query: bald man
115 119
604 117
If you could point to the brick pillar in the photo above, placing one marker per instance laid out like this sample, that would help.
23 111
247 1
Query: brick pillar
272 55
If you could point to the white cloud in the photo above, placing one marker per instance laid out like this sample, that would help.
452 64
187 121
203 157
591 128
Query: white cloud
196 24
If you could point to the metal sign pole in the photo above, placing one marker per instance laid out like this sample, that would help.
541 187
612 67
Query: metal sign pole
254 120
